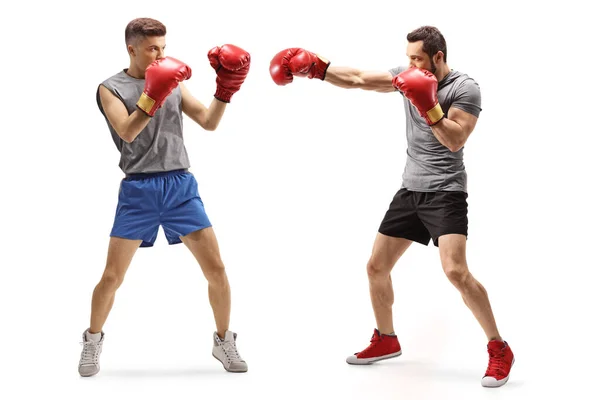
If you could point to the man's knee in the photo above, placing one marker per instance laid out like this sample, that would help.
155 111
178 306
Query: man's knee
453 258
215 273
457 274
111 281
377 270
455 269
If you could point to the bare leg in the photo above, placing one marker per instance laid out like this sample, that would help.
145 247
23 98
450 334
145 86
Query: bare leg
454 262
204 246
386 252
120 254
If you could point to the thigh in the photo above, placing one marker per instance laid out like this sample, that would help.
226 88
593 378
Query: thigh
453 251
402 221
120 254
204 246
387 251
444 213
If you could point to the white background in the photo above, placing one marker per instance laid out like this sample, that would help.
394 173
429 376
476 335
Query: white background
296 180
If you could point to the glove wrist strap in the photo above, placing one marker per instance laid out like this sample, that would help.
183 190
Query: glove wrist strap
146 104
321 68
223 95
435 114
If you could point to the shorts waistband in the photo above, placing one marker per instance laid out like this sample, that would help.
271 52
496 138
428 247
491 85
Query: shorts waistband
155 174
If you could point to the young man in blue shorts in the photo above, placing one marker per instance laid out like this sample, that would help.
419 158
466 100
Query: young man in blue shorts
143 106
441 107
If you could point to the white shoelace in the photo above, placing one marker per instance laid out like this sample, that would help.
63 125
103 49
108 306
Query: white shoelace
230 350
91 351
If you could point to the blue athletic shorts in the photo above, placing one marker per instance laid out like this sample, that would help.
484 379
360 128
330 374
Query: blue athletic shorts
168 199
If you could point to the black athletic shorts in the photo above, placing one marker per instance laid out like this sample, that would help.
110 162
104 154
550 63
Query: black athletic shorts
422 216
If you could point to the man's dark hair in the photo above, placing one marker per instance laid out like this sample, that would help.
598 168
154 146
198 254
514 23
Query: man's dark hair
140 28
433 40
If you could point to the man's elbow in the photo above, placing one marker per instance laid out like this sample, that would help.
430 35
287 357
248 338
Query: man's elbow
455 147
127 137
458 143
209 126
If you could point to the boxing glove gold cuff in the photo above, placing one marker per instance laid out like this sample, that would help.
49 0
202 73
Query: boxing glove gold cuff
435 114
146 103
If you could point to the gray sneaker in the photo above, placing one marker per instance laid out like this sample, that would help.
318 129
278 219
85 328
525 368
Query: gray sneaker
89 363
225 350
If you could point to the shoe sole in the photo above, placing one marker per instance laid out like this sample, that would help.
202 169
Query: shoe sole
89 375
502 382
230 370
369 361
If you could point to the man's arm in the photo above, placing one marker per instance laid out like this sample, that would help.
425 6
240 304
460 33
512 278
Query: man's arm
352 78
231 64
463 114
208 118
161 77
127 126
420 88
453 132
299 62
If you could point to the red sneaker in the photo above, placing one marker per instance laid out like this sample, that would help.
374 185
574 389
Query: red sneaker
381 348
501 361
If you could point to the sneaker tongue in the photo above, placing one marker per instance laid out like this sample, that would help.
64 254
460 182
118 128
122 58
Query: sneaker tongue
495 345
94 337
229 336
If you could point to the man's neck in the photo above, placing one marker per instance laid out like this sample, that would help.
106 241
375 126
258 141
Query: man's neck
442 72
134 72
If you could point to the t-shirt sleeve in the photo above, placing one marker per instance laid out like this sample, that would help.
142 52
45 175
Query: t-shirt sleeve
468 97
396 70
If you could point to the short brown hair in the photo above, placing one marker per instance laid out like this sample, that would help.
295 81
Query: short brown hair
433 40
142 27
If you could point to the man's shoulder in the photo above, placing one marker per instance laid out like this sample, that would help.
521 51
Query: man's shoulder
118 78
113 84
463 78
396 70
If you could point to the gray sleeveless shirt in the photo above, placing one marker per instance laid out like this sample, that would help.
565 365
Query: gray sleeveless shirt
159 147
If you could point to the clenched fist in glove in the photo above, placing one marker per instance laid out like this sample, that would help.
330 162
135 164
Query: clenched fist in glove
162 76
420 87
297 62
232 65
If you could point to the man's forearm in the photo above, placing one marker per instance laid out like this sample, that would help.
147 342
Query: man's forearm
450 134
214 113
352 78
134 125
344 77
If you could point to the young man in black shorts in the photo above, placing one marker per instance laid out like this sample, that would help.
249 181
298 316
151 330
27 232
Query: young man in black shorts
442 107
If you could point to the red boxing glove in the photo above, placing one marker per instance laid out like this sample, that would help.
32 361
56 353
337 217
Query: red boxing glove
162 76
232 65
420 87
297 62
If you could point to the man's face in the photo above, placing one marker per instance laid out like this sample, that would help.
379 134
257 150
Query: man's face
147 50
418 58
